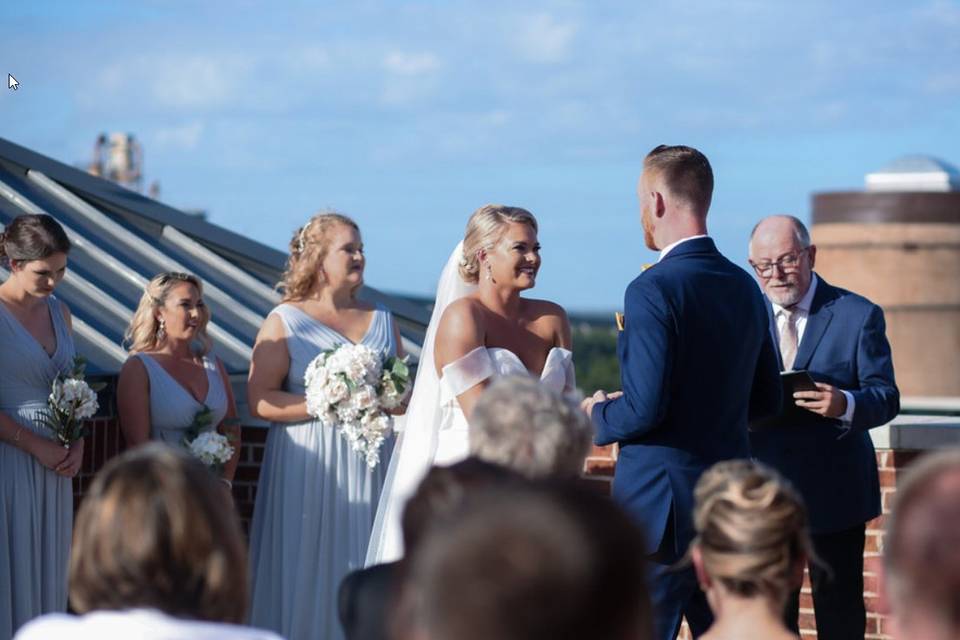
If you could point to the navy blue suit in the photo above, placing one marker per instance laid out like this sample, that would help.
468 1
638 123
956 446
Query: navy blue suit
697 362
834 466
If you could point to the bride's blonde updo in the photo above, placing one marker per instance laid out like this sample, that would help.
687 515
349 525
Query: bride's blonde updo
308 247
751 529
484 229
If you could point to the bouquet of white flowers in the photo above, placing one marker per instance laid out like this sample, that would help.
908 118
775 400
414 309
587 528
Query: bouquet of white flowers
352 387
202 440
71 402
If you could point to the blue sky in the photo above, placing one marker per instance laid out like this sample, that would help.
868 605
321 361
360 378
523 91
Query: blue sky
409 115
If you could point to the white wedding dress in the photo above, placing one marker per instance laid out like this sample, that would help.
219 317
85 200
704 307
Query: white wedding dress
434 429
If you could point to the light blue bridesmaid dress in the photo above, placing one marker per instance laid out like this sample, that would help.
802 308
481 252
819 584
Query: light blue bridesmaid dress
316 499
173 407
36 504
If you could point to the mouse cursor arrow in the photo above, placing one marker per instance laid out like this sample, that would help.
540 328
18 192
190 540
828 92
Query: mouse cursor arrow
12 82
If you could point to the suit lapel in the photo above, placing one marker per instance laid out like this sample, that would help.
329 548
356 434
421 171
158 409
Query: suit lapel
817 322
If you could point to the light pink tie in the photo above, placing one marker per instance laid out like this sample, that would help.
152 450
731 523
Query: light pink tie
788 339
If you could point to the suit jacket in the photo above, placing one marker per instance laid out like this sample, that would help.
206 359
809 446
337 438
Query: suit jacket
696 363
833 465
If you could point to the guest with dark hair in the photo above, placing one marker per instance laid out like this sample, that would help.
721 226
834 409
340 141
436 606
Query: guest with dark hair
36 492
921 554
366 596
751 547
542 562
158 554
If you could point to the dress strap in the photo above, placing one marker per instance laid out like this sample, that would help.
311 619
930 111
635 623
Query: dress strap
467 371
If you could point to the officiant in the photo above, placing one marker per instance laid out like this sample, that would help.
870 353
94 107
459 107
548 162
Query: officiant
839 338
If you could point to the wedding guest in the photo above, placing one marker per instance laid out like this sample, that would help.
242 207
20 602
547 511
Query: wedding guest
36 492
921 554
750 549
171 383
822 443
158 554
317 495
525 426
542 562
367 595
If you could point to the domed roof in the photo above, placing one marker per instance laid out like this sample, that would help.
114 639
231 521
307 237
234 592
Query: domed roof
915 173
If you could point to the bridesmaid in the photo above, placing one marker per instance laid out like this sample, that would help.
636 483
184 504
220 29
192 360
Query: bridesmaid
36 491
317 497
170 375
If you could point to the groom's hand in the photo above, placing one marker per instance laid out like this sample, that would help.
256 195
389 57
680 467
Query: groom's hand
598 396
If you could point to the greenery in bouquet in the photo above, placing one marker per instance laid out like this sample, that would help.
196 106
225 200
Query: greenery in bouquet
72 400
353 388
202 440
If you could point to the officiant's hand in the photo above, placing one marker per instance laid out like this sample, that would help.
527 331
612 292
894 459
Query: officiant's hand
827 400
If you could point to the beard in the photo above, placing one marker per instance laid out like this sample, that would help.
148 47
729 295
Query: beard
787 296
648 232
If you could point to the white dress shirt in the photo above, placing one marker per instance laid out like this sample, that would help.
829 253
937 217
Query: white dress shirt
802 312
670 247
134 624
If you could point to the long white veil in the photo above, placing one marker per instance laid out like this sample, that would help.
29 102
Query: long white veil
417 443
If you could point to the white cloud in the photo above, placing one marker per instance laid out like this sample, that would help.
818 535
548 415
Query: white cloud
411 64
187 82
543 38
181 137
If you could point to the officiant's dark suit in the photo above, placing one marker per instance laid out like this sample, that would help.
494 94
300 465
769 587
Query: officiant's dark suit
825 449
696 362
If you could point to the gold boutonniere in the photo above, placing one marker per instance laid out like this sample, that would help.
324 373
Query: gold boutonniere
620 320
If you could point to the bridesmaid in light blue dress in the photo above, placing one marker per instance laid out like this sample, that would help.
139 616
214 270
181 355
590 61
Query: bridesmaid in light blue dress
36 491
317 497
171 376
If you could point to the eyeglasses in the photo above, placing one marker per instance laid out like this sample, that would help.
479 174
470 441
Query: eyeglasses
787 263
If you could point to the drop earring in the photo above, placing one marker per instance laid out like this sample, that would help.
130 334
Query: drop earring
489 272
161 330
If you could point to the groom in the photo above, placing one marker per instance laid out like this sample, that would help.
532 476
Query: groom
696 363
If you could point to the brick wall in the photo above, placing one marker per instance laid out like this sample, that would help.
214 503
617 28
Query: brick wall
602 462
104 442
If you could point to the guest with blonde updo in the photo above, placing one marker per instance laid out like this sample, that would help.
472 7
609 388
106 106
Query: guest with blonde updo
751 547
317 495
171 379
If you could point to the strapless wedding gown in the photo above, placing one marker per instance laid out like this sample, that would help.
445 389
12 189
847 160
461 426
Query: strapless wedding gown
475 367
446 441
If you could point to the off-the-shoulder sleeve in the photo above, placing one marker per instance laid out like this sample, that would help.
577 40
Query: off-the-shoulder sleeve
467 371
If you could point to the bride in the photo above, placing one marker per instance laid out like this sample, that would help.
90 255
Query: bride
480 328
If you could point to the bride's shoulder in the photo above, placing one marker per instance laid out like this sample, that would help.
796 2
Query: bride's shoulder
462 315
552 318
540 308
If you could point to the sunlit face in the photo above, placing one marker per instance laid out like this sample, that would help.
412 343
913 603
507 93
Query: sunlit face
783 266
39 278
647 203
515 259
344 263
183 312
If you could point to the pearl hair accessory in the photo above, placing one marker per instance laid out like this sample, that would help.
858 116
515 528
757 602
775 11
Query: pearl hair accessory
302 238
